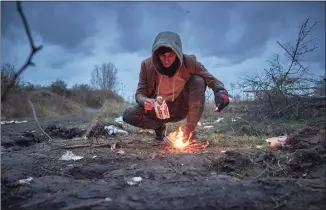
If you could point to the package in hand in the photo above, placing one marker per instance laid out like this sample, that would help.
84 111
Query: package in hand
162 110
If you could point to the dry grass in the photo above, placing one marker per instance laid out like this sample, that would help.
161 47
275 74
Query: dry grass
111 110
46 104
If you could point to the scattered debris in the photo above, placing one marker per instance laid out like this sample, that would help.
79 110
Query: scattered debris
259 147
26 181
208 127
13 122
112 130
95 156
108 199
199 124
119 120
276 143
134 180
219 119
115 148
147 131
70 156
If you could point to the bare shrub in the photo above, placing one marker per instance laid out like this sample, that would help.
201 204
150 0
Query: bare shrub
286 88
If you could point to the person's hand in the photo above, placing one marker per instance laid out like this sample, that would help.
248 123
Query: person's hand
149 104
221 99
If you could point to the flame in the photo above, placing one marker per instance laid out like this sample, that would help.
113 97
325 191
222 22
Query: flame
177 139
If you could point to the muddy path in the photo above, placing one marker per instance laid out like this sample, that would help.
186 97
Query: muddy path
214 178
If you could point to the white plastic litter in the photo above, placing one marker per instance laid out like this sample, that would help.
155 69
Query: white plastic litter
119 119
70 156
112 130
219 119
13 121
134 180
108 199
26 181
208 127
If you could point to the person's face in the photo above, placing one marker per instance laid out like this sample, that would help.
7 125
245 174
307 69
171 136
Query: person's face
167 58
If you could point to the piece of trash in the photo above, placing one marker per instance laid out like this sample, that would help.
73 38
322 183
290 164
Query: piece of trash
208 127
223 151
13 121
95 156
134 180
26 181
113 130
70 165
146 131
280 139
259 146
121 152
199 124
114 148
118 120
108 199
276 143
70 156
219 119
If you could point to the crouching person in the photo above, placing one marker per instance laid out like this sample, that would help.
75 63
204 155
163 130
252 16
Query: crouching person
180 80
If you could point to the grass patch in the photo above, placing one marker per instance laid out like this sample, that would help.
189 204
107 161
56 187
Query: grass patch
110 110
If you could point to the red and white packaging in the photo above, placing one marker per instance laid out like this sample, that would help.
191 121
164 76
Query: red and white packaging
162 110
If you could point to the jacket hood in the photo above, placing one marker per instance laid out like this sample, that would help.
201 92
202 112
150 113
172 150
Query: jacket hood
167 39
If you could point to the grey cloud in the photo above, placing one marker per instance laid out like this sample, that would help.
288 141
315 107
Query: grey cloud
59 23
262 21
140 30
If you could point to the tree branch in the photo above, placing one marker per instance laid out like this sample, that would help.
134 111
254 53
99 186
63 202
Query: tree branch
28 62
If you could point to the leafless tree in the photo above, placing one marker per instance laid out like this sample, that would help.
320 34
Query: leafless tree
279 87
104 77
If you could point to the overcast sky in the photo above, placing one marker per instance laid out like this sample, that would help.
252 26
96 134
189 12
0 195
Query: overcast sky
229 38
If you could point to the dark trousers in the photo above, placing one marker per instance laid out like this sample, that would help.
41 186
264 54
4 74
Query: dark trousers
190 103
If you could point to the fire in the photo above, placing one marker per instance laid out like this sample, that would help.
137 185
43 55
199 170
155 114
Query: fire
177 139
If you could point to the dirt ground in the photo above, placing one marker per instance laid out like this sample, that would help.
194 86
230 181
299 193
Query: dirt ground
214 178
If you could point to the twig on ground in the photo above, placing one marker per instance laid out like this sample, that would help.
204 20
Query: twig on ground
267 167
28 62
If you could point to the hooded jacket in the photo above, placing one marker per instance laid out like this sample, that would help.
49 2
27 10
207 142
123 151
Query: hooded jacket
152 82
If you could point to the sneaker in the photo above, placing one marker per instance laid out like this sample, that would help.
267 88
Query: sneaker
161 133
